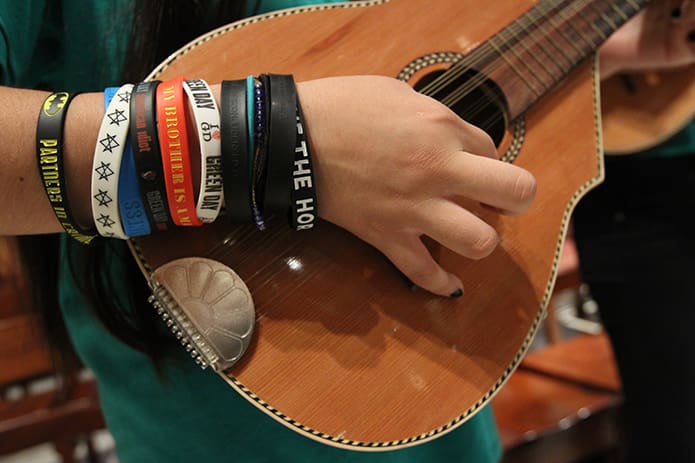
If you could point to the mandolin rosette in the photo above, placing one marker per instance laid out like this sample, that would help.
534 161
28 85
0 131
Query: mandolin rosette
208 308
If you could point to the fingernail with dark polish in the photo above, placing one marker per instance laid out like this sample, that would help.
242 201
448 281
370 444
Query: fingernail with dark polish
456 294
676 13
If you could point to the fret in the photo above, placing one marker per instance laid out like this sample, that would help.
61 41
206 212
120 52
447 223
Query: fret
552 57
634 5
620 12
605 26
614 17
605 18
601 36
525 46
573 31
599 31
511 65
540 64
617 13
561 32
553 20
545 35
519 57
561 52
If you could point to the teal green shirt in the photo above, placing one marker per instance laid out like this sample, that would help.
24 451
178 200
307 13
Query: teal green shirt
683 143
194 416
191 416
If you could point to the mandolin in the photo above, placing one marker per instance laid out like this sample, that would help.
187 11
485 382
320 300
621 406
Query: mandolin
342 351
641 110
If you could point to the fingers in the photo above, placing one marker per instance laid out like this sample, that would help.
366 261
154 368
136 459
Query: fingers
477 141
458 229
494 183
412 258
453 227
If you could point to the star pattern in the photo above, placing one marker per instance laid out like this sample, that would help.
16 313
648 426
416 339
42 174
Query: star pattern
116 117
109 143
104 171
103 197
105 221
124 97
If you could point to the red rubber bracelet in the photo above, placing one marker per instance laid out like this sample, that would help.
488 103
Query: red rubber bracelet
176 159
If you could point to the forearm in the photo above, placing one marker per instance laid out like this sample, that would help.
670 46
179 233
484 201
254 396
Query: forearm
380 151
25 207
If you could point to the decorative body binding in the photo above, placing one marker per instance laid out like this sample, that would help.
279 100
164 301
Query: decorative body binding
332 310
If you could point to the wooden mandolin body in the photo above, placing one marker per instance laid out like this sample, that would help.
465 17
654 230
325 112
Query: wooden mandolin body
344 352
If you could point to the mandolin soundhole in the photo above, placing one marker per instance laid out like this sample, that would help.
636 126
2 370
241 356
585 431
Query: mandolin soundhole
451 79
472 96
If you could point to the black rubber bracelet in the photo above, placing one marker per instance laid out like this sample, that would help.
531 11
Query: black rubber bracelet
49 156
304 210
147 154
282 134
235 156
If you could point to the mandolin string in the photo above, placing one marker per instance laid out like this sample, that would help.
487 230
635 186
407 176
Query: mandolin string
523 25
225 246
458 70
507 36
533 36
579 14
519 30
561 52
514 31
566 11
456 73
636 4
544 28
467 64
569 40
488 122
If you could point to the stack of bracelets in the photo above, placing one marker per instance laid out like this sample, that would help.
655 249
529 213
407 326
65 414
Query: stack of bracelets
254 157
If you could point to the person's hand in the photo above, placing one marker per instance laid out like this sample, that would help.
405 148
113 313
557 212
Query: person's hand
390 164
662 36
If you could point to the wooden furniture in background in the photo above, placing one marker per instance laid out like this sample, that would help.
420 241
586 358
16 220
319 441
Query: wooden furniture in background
564 403
542 419
642 109
61 415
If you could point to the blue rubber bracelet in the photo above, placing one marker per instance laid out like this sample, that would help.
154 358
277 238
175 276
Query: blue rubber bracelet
133 213
109 93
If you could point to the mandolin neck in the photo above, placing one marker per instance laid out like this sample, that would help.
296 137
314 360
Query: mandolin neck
537 51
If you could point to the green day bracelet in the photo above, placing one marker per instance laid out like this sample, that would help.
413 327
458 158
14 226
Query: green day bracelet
49 156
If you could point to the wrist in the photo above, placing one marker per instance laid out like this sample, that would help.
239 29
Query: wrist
81 129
